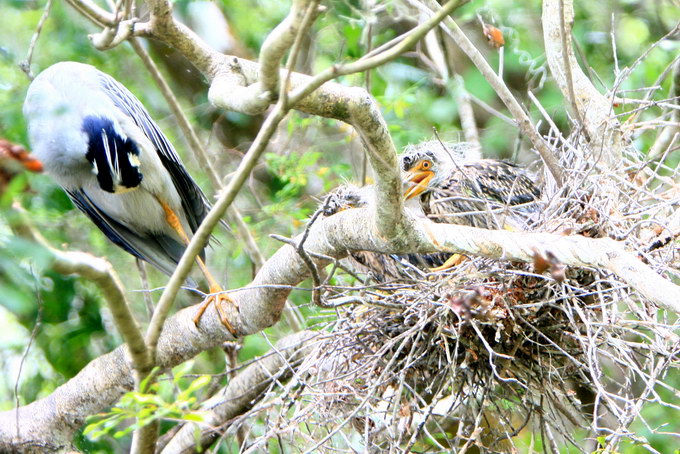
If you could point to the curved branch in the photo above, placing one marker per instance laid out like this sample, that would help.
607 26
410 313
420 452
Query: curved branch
54 419
276 45
246 387
592 108
94 12
101 272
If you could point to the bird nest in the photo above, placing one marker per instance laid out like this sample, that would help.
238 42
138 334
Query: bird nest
497 355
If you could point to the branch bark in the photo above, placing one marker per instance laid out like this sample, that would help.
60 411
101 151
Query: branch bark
242 391
592 108
53 420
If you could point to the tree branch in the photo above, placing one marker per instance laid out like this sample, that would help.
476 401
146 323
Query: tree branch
93 12
591 107
671 133
242 391
55 418
100 272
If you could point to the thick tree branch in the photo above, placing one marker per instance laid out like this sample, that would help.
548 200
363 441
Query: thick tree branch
55 418
242 391
592 108
275 47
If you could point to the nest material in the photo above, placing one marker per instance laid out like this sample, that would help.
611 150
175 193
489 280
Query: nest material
492 350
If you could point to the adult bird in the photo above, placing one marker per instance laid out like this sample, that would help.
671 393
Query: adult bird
99 143
452 188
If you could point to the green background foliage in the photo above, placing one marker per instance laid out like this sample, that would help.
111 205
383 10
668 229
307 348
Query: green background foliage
75 325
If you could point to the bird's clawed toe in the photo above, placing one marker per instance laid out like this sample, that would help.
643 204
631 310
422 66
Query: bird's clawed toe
218 298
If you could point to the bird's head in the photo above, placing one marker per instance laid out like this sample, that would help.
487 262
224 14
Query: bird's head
427 164
345 197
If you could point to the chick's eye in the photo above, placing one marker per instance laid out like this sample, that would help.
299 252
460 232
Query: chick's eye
426 165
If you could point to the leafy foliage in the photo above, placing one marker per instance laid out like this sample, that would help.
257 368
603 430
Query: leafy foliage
139 408
76 326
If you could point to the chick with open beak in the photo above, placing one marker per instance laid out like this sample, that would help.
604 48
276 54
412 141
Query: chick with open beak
418 175
454 189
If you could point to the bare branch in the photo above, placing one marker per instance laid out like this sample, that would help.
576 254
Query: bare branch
26 64
591 107
467 116
241 391
94 12
276 45
524 122
670 133
105 277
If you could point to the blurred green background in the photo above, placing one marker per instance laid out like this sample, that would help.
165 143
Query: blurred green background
309 156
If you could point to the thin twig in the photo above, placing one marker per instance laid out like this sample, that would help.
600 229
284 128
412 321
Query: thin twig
26 64
31 338
524 122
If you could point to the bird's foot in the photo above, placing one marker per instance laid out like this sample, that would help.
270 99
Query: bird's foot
217 297
454 260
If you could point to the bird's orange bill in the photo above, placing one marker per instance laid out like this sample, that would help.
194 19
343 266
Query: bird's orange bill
15 152
418 181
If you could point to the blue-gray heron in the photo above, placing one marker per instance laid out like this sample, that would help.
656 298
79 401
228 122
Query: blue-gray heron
99 143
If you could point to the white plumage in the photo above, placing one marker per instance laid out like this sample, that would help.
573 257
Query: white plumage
99 143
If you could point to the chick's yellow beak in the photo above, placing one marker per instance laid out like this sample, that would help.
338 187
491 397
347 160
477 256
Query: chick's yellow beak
417 181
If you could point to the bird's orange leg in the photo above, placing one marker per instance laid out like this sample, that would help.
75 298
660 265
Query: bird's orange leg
454 260
216 296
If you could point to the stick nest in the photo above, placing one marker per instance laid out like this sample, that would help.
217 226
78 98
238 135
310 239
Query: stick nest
494 354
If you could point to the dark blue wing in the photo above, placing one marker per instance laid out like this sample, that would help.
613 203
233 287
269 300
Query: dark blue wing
194 201
160 250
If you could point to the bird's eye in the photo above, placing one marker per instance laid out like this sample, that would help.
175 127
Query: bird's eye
426 165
